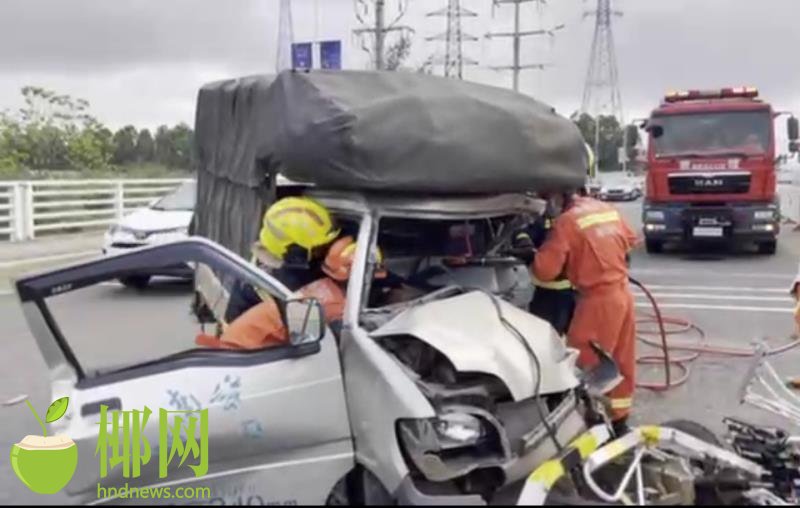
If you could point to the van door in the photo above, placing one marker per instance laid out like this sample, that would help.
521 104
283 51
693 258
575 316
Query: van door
275 417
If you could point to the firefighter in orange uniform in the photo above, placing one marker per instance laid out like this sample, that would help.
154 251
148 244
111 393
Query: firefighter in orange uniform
262 325
590 242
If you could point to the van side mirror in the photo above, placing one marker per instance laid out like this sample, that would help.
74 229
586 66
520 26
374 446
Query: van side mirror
793 128
305 321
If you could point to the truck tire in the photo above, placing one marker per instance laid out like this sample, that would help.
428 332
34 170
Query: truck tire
768 248
135 281
654 246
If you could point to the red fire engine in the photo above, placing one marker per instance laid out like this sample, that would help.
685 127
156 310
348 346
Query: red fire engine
711 169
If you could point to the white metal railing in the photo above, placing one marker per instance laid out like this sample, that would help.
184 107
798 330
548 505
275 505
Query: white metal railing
31 207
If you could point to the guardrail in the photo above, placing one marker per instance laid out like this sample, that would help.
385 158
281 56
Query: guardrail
39 206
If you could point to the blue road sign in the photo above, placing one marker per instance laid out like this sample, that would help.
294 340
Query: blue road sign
302 55
330 54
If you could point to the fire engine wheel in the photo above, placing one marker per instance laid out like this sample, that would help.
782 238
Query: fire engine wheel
654 246
768 248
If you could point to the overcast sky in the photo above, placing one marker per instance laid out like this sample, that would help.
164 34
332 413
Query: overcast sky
142 61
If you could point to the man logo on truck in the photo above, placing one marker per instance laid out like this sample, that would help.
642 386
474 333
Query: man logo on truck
709 182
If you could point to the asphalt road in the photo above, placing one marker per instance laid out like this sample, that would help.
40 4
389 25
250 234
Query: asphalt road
734 298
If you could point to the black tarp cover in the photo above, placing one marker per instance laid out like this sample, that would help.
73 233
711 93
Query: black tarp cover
396 131
373 131
231 181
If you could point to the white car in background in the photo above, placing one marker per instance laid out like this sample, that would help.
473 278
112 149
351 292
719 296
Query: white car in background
622 190
165 220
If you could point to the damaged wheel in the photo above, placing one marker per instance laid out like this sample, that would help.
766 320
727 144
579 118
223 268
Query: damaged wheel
359 487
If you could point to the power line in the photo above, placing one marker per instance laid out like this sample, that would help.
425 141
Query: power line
601 92
453 61
517 35
377 29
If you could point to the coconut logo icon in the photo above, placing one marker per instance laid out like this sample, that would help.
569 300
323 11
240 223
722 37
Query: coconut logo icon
45 464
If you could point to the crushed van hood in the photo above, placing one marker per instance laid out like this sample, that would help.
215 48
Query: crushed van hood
467 330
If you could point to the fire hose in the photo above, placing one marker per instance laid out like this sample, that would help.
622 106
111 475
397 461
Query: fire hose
678 355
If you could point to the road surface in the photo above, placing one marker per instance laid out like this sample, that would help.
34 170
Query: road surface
735 298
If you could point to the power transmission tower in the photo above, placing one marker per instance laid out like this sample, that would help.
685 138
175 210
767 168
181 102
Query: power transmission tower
285 37
517 35
377 30
453 60
601 91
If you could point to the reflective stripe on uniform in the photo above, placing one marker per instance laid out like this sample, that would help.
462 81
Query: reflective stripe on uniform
556 284
624 403
594 219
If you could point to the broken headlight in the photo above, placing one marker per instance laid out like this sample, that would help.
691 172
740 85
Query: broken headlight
455 430
450 445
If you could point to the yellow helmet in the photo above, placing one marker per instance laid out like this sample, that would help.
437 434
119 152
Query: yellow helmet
296 221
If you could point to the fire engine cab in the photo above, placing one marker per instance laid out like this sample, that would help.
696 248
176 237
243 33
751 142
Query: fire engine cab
711 170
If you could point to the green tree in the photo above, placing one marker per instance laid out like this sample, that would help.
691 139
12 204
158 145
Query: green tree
125 145
182 138
43 136
53 131
610 139
45 107
398 52
44 146
174 146
632 138
11 157
163 145
145 147
91 148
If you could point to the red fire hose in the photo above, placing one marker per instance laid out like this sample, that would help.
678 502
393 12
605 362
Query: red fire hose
661 327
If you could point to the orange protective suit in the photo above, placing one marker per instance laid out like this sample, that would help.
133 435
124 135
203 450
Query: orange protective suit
262 326
589 243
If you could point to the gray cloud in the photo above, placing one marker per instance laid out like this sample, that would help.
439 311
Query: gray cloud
141 61
90 35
